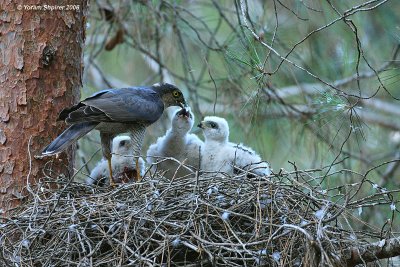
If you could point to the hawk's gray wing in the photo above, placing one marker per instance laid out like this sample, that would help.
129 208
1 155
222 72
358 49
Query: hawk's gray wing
133 104
68 137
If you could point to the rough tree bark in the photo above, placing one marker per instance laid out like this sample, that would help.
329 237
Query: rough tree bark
40 73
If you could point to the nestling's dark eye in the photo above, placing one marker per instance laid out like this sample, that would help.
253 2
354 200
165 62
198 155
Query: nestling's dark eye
176 93
122 143
213 125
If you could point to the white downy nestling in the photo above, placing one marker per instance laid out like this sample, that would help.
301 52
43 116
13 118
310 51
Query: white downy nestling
122 164
177 143
220 155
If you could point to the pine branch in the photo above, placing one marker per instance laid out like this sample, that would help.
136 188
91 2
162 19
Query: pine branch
386 248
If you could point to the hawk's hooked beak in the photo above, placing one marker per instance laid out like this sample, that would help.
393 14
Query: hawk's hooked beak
201 125
183 105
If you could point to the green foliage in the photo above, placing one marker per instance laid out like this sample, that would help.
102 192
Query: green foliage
209 52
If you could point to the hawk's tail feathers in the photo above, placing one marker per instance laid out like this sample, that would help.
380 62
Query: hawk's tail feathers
68 137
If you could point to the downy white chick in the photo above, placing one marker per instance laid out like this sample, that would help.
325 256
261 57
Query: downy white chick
122 163
220 155
177 143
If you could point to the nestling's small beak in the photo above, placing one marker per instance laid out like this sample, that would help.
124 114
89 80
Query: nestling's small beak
184 112
201 125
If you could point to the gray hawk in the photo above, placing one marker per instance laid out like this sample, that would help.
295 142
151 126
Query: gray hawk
114 111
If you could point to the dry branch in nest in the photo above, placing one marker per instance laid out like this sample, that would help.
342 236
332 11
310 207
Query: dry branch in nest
209 220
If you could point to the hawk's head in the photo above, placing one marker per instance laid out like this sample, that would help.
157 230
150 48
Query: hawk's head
122 145
170 95
215 129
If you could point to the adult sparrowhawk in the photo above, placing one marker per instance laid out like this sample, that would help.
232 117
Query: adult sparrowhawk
114 111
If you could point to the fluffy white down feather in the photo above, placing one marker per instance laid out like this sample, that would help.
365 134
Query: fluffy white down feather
177 143
122 159
220 155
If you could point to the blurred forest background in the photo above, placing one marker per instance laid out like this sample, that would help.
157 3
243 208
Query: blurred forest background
308 84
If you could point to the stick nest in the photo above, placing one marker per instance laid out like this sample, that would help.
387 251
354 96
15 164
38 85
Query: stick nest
206 220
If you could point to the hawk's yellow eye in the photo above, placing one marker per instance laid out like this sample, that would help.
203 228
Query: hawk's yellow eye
176 93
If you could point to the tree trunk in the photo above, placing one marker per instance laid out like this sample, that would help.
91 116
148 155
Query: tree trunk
40 73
